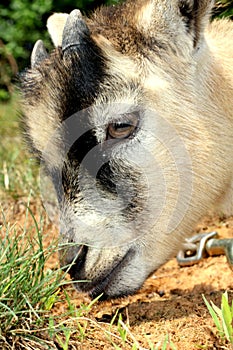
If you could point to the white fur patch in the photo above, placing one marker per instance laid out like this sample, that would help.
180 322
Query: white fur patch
153 82
117 63
145 16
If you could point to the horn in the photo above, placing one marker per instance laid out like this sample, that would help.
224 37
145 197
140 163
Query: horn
75 31
39 53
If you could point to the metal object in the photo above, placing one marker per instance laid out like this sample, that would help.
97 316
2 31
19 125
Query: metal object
221 246
202 245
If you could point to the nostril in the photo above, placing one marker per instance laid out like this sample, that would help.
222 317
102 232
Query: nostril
74 258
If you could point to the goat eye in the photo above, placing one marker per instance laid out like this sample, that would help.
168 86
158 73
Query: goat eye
124 128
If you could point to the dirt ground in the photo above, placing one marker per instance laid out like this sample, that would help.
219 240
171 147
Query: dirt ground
170 302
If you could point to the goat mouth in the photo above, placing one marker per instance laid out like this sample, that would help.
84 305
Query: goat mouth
102 287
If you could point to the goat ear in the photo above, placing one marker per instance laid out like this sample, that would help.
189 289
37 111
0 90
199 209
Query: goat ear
153 16
55 25
195 14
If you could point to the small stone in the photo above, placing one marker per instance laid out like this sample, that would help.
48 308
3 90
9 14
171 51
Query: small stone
161 293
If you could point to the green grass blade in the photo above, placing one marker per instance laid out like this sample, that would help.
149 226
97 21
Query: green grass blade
227 317
217 310
165 343
213 314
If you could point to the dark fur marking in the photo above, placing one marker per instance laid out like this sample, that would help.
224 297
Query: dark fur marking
187 13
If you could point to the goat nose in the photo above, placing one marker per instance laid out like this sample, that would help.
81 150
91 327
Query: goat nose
72 258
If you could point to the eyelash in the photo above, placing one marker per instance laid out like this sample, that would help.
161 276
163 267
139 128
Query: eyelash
123 129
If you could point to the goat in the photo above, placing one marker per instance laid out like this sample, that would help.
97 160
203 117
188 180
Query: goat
131 116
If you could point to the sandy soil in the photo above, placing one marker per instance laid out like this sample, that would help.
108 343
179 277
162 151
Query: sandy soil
170 302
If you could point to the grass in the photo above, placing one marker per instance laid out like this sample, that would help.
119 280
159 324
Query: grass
27 290
18 173
222 317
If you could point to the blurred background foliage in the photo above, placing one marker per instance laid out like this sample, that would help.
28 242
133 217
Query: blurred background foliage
22 22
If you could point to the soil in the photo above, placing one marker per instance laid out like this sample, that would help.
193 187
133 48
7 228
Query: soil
169 304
